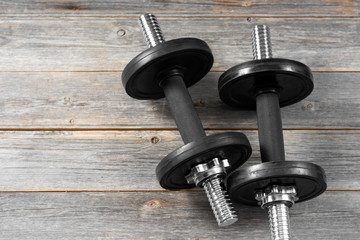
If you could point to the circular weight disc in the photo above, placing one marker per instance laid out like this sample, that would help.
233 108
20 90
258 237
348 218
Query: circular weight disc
238 85
308 178
171 170
191 56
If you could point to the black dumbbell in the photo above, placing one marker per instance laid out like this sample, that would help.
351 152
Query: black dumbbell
266 84
166 69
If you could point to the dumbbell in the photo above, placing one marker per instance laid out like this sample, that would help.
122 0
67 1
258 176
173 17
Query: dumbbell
166 69
266 84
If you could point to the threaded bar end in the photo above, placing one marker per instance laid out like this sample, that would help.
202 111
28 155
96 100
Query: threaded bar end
261 42
279 221
220 202
151 30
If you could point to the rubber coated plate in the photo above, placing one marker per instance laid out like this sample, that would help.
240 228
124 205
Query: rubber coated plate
238 85
191 56
172 170
308 178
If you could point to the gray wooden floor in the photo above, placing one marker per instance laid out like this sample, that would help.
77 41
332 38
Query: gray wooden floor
77 155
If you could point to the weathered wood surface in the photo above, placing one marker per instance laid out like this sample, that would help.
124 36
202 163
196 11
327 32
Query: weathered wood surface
108 44
170 215
98 100
126 160
176 7
60 69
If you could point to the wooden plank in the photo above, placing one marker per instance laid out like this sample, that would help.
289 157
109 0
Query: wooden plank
97 100
170 215
182 8
126 160
108 44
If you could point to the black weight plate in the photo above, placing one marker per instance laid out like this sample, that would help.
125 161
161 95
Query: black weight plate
308 178
238 85
171 170
191 56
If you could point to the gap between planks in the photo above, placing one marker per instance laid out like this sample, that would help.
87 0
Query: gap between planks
79 129
141 191
180 16
120 71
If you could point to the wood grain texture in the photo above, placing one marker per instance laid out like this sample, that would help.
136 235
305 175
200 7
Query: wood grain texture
126 160
177 7
108 44
170 215
98 100
67 124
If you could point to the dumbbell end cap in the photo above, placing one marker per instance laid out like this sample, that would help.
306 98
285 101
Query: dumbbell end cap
172 169
239 85
191 57
309 180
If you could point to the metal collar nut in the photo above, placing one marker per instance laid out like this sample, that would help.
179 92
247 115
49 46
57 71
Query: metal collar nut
276 194
203 171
